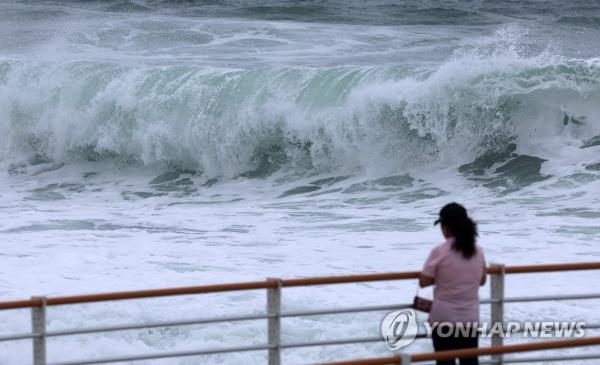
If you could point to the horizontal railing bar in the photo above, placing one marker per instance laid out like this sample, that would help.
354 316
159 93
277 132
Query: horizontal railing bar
204 289
345 310
345 341
166 355
528 269
551 358
368 339
371 339
536 359
140 294
23 336
324 280
550 298
19 304
507 349
328 280
188 322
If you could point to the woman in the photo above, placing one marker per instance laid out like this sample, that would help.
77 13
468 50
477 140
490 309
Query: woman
457 269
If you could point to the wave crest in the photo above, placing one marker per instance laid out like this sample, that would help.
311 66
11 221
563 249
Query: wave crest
254 122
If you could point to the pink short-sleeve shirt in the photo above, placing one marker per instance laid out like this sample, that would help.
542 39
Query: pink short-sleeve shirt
456 280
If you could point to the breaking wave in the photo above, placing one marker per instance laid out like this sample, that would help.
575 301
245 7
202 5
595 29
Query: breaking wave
231 122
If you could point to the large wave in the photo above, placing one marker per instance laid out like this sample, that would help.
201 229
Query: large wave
231 122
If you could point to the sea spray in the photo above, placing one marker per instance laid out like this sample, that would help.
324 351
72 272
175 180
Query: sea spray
232 122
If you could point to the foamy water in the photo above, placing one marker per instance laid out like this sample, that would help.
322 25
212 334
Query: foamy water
149 145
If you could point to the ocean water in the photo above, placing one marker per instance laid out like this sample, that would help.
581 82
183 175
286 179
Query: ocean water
151 144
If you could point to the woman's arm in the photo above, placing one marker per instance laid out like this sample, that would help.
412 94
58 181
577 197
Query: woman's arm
484 274
427 275
425 281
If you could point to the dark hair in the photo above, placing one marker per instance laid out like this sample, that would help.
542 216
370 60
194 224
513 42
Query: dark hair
464 229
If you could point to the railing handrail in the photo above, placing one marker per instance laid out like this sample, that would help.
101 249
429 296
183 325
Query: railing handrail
466 353
139 294
528 269
348 279
273 315
270 284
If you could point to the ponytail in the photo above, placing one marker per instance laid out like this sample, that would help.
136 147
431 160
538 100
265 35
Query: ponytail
465 236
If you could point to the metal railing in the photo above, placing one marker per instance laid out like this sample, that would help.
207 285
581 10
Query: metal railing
273 315
407 359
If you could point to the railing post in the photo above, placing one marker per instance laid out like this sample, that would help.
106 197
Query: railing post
497 313
274 323
38 327
405 359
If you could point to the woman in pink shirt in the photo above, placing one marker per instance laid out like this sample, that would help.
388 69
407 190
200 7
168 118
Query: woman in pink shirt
456 268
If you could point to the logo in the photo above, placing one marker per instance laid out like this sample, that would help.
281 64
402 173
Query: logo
399 328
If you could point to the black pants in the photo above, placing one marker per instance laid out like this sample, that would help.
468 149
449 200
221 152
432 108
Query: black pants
455 343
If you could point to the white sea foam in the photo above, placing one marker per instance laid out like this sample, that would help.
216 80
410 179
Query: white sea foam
154 148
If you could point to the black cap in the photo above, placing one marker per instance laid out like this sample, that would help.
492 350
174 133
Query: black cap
452 212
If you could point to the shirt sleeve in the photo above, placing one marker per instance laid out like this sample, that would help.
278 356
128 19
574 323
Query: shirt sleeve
483 262
430 267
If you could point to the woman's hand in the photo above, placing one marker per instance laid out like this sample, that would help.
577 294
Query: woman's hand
425 281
